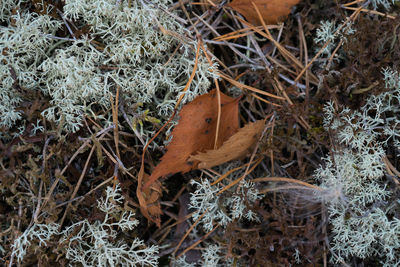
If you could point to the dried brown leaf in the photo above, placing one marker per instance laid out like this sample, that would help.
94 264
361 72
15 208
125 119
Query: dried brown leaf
149 199
271 11
196 132
237 146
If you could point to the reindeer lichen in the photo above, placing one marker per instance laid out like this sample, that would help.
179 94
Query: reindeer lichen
136 46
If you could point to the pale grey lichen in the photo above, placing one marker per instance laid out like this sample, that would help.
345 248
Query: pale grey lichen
7 7
205 200
40 233
181 262
325 33
363 224
222 209
329 32
386 4
211 256
126 48
93 244
22 47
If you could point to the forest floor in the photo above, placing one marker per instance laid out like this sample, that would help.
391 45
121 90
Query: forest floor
258 193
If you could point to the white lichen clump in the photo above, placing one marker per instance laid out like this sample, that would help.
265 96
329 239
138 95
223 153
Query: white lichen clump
94 244
386 4
40 233
211 256
22 48
330 35
135 46
221 209
363 222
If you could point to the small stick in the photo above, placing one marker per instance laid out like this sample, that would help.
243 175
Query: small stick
77 185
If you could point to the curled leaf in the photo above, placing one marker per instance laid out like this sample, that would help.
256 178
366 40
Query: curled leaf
149 199
237 146
196 131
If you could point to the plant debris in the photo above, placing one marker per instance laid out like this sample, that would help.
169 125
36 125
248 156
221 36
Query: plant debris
284 150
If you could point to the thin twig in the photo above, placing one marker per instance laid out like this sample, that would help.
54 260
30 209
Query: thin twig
66 23
77 185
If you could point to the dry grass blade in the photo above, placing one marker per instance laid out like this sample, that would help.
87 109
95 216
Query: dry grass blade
304 43
225 175
265 101
352 17
354 2
198 241
238 33
287 180
114 108
248 171
250 88
189 231
77 185
391 170
285 53
371 12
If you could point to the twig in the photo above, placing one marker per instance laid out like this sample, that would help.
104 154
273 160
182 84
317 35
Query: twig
199 241
54 185
352 17
66 24
77 185
303 40
258 49
58 38
370 11
297 84
278 39
240 54
230 44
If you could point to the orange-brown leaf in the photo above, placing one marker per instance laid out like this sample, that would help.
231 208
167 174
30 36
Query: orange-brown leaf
237 146
196 131
272 11
149 199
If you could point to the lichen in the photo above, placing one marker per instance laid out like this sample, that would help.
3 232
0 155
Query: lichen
129 45
363 223
93 244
